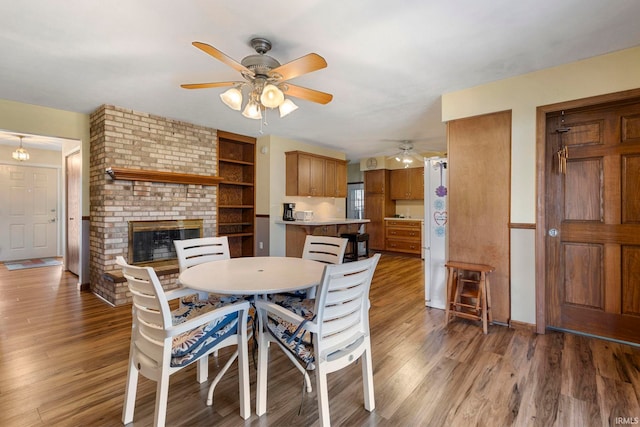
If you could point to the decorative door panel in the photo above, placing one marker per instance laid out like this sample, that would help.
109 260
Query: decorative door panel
583 276
631 280
631 189
583 190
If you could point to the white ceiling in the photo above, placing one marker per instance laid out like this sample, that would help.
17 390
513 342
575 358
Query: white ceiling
388 61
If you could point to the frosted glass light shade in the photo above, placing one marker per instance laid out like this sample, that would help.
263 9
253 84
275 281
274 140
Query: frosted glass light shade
287 107
271 96
232 98
252 111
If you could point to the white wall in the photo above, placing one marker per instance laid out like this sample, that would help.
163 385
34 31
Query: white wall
600 75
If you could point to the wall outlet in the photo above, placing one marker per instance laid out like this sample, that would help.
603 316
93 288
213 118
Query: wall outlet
260 245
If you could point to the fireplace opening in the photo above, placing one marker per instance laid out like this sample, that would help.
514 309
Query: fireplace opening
152 241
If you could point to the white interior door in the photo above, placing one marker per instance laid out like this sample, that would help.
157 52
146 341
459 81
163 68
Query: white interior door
28 212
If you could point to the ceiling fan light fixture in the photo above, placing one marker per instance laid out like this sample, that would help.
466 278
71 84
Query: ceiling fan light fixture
20 154
287 107
232 98
252 111
271 96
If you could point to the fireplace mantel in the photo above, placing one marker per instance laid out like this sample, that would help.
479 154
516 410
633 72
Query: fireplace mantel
158 176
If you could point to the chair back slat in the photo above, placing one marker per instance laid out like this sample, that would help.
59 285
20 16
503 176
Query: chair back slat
150 348
326 249
196 251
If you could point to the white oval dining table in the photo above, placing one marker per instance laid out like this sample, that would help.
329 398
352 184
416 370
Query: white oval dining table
253 275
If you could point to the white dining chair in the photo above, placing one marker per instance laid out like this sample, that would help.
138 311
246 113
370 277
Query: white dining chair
325 334
325 249
192 252
164 342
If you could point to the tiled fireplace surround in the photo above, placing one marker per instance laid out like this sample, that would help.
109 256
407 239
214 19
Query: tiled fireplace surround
122 138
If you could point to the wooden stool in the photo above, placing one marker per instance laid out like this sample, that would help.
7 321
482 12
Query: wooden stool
468 292
354 240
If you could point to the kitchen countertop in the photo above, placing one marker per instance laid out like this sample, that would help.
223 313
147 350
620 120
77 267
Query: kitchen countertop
392 218
326 221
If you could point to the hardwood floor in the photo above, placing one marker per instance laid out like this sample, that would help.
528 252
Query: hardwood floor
64 356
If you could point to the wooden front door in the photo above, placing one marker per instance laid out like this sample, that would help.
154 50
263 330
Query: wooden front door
593 220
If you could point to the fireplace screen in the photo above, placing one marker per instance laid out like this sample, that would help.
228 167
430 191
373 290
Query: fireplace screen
152 241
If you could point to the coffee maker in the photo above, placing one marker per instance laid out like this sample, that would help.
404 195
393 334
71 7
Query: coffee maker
287 213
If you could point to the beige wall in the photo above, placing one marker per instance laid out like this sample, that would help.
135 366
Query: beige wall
33 119
604 74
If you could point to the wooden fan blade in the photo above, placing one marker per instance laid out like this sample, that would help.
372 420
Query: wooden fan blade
207 85
297 67
222 57
308 94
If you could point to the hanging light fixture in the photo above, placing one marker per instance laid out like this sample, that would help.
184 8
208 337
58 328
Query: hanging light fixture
261 96
20 154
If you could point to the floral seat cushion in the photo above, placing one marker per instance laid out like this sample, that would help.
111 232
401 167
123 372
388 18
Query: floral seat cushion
293 335
188 346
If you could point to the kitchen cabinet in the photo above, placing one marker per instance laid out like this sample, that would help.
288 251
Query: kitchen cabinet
335 178
403 236
313 175
297 231
407 184
377 205
236 192
376 181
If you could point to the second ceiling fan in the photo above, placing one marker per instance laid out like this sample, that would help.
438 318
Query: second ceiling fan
265 80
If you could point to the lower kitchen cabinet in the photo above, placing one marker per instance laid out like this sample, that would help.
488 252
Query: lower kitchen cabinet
403 236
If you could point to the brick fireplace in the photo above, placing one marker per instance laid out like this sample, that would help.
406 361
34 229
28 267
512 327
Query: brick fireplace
122 138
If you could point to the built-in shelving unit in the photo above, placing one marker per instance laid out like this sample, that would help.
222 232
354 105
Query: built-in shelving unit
236 192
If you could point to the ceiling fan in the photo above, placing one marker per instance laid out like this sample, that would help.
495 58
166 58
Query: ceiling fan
406 154
265 80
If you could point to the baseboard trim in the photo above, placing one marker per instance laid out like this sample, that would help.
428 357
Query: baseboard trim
530 327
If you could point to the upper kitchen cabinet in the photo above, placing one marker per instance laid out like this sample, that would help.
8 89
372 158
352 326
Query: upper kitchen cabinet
313 175
407 184
376 181
335 178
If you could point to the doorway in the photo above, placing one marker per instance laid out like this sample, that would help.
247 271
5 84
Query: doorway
588 236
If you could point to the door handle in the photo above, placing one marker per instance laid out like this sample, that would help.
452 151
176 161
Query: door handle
553 232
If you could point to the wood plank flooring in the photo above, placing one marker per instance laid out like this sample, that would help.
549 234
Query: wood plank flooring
64 352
